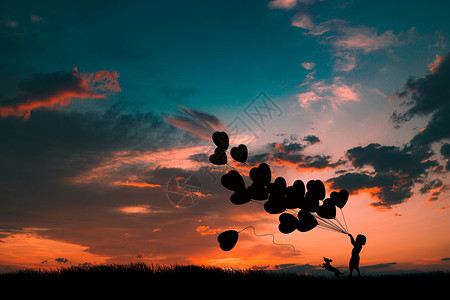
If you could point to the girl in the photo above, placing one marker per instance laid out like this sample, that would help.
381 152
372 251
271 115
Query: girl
357 247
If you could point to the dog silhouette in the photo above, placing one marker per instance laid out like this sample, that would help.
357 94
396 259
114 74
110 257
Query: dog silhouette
330 268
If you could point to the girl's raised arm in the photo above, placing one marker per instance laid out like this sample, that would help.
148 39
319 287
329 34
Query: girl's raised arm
352 239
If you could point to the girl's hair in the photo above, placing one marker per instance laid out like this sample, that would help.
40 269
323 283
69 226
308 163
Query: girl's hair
361 239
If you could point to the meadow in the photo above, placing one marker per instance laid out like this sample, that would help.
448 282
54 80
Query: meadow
194 279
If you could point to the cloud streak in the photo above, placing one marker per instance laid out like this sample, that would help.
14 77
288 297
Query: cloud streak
198 123
59 89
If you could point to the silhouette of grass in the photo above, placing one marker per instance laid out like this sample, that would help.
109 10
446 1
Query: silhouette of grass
187 278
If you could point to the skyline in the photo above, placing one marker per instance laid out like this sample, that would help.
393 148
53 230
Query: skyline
107 107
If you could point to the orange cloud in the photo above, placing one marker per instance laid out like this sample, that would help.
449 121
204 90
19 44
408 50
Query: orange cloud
205 230
136 184
435 64
334 94
138 209
55 90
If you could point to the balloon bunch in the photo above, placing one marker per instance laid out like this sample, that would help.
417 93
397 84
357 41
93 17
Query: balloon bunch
301 207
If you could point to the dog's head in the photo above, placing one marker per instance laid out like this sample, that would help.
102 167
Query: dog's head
327 260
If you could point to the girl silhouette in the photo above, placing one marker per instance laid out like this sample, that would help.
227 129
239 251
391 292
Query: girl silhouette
357 247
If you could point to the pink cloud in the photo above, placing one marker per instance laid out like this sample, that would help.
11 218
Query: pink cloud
289 4
305 21
286 4
364 39
334 94
308 65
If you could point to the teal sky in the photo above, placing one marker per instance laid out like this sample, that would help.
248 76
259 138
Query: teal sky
212 54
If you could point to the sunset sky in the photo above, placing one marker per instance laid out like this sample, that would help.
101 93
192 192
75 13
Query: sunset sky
106 105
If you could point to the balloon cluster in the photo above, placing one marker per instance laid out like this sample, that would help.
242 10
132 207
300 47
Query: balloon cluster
300 207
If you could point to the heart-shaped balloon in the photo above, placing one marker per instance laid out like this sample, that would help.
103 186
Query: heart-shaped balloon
239 153
228 239
316 189
334 196
274 206
258 191
341 199
261 174
310 202
295 195
327 210
306 221
240 197
233 181
219 157
220 138
288 223
277 189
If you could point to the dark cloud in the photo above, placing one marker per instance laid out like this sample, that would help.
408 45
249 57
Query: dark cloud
290 152
352 182
391 159
58 89
429 94
287 147
62 260
445 150
436 129
312 139
425 96
55 144
433 184
199 157
396 170
386 188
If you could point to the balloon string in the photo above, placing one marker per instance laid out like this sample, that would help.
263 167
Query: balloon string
325 228
231 166
342 212
343 228
328 221
330 226
248 166
267 234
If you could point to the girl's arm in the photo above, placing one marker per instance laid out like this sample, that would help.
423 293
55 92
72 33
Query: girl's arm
352 239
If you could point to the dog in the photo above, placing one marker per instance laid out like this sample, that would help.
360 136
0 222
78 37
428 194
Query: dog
330 268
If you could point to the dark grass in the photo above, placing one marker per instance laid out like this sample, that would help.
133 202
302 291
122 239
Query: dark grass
179 278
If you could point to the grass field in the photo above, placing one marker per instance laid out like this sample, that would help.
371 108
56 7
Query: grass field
190 279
